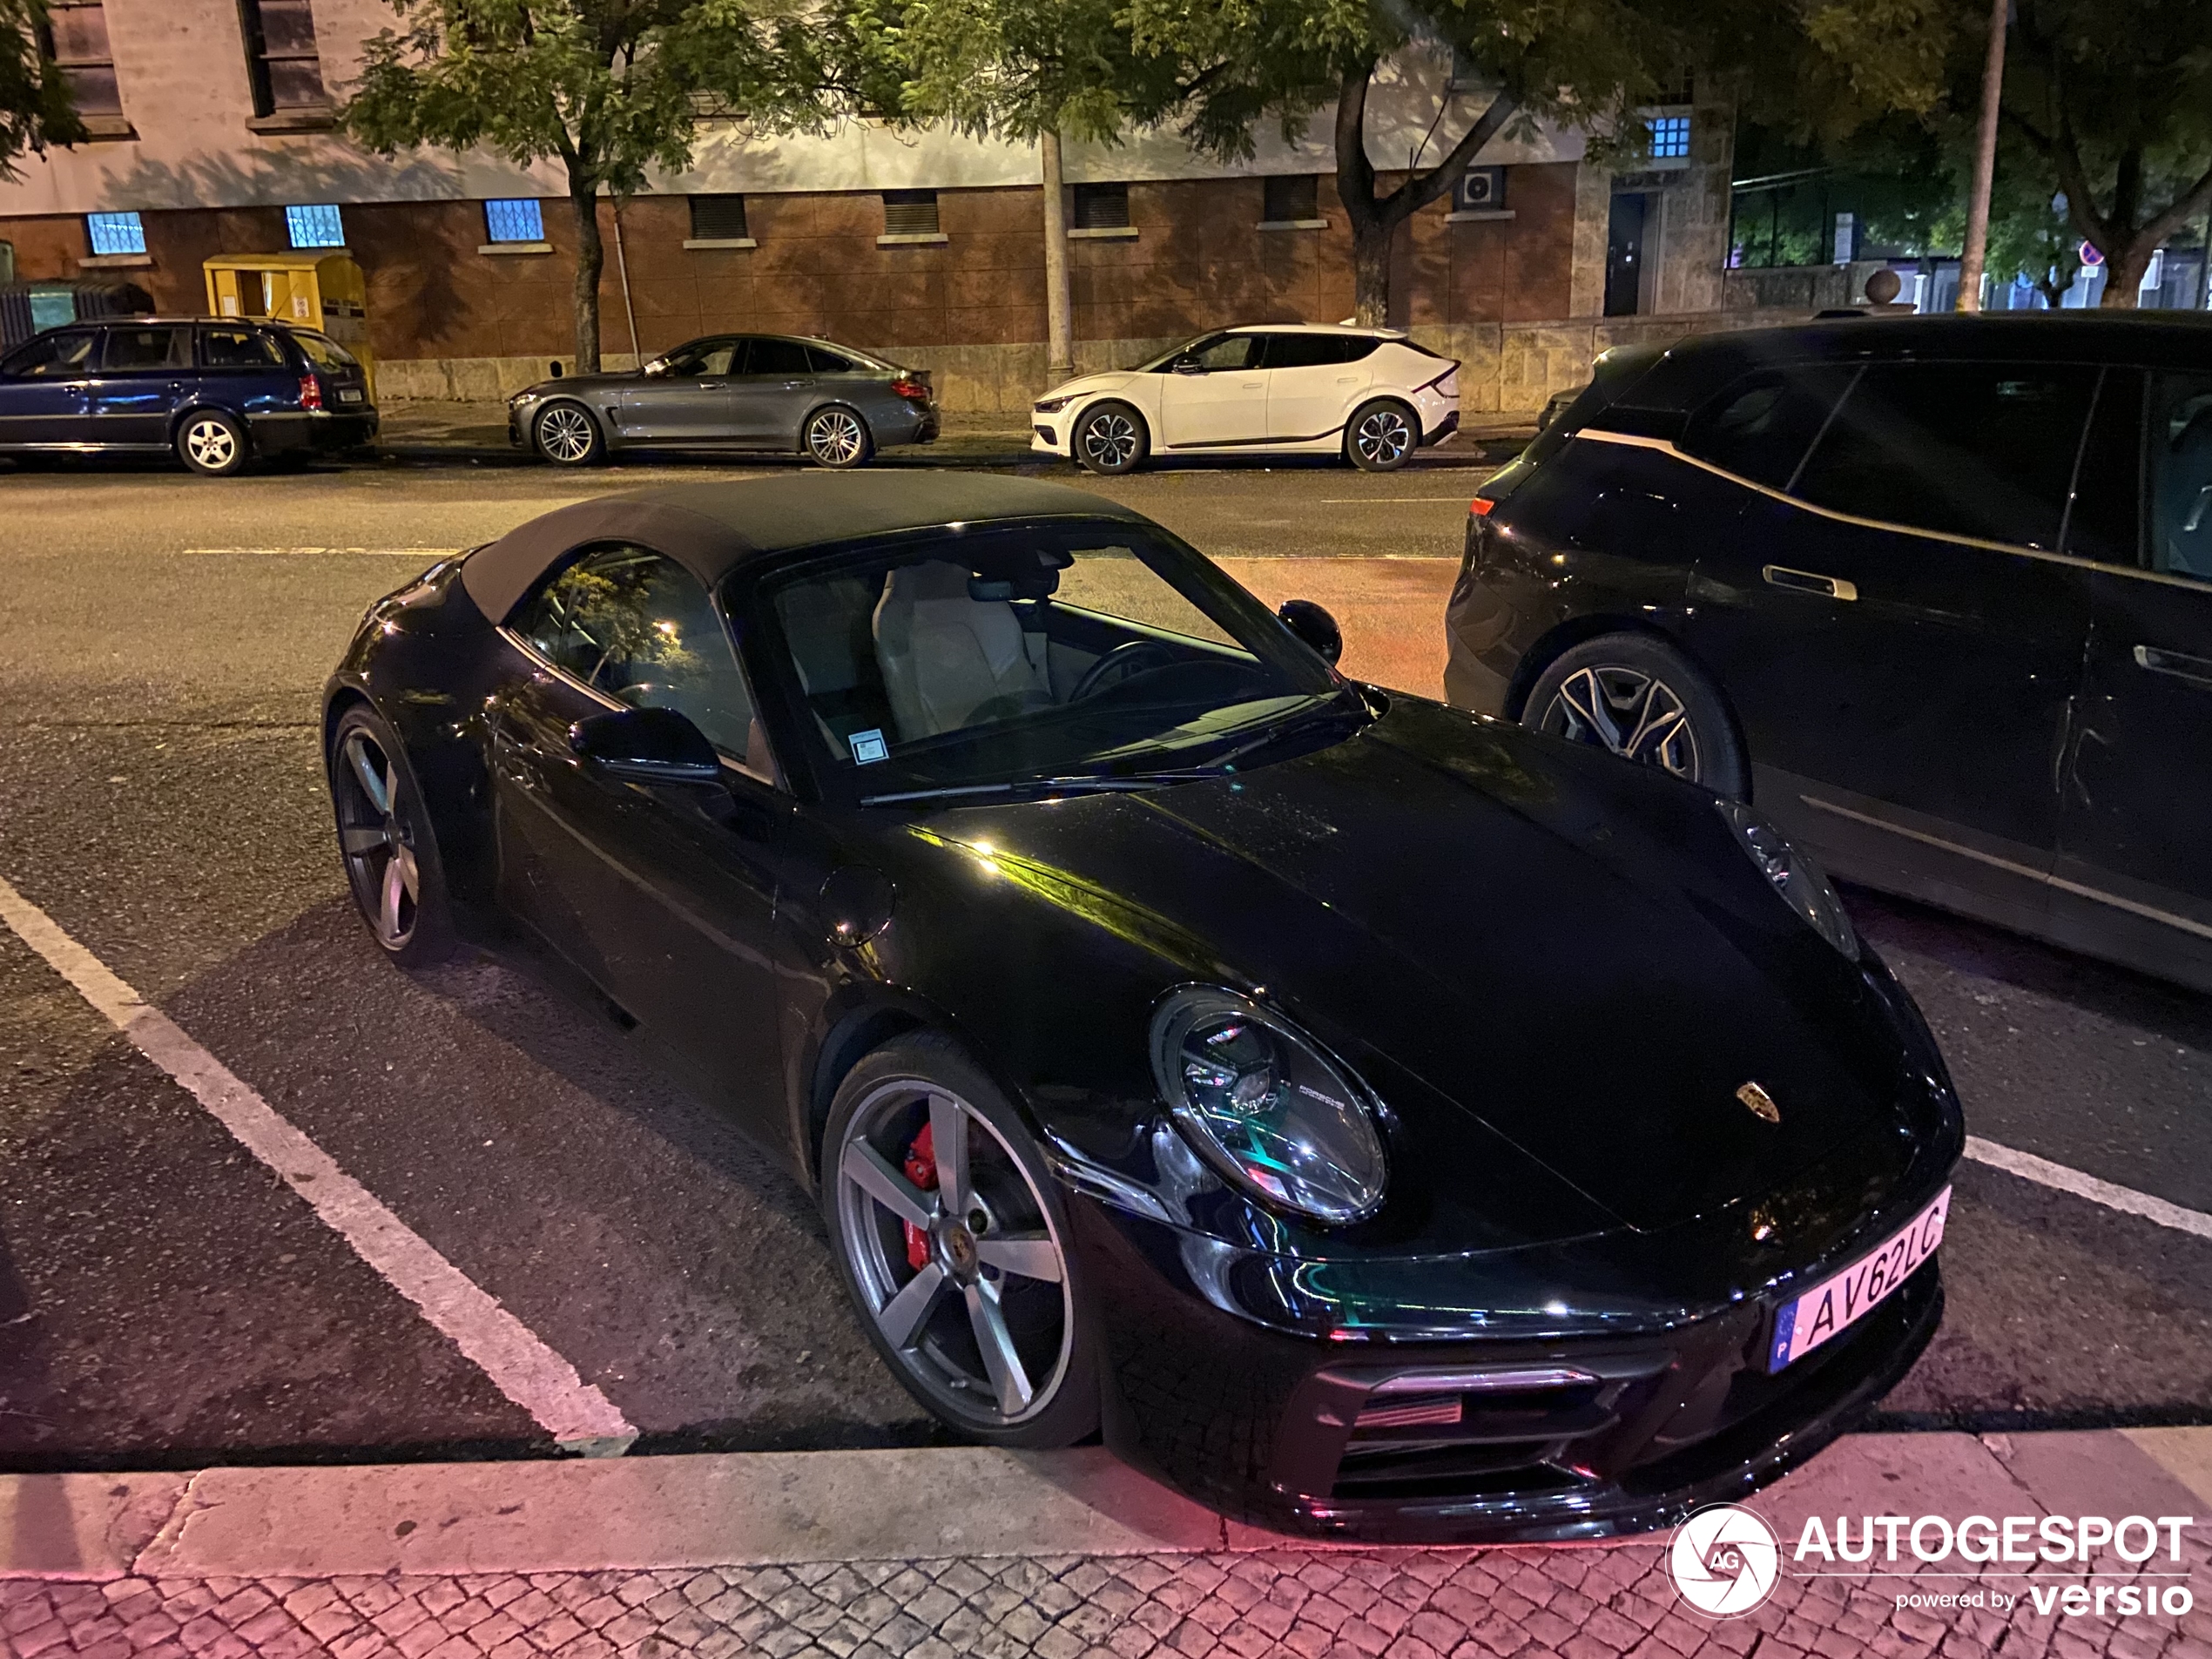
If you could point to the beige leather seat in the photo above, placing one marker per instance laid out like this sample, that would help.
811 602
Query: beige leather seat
949 660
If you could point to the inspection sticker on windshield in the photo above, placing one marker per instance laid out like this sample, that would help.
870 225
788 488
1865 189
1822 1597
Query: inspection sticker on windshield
868 746
1809 1320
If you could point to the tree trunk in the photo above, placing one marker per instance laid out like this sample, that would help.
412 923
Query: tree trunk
1371 272
1992 84
2125 268
1059 311
591 261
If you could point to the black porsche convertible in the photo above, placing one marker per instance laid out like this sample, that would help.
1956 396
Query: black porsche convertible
1376 1118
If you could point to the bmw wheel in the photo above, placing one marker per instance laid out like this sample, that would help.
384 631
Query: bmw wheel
1381 436
1644 701
1109 438
567 436
837 437
212 443
384 838
954 1246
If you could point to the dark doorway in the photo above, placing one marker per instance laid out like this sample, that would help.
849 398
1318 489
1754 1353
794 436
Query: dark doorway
1624 255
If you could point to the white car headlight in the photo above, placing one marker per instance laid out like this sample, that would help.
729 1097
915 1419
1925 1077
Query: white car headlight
1052 405
1266 1106
1802 884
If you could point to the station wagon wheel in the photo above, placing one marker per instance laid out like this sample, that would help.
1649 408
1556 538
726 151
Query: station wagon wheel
212 443
1381 435
838 438
954 1247
567 436
384 839
1110 439
1638 698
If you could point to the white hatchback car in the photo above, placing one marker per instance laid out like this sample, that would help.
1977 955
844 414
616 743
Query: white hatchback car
1369 395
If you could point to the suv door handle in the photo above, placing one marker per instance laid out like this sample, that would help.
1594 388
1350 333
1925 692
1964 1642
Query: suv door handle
2194 670
1828 587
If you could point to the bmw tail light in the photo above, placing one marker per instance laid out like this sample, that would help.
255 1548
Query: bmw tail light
310 392
906 386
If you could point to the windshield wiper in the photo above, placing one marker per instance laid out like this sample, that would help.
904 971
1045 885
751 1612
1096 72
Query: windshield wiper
1291 727
1080 784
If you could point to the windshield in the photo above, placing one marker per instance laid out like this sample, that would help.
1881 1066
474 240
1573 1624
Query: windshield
1006 657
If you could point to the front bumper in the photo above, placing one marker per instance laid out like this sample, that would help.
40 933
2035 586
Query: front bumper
1050 435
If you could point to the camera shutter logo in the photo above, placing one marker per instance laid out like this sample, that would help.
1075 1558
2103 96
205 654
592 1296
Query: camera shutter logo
1725 1561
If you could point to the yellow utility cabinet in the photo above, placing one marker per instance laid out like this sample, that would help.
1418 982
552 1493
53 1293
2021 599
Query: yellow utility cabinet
324 290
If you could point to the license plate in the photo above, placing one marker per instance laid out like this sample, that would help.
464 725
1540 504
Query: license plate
350 394
1811 1318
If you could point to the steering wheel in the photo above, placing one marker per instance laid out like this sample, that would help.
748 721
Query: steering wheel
1121 657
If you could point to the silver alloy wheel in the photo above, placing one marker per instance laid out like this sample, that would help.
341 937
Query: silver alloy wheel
1635 715
565 434
986 1326
376 842
1109 440
1383 437
210 444
835 438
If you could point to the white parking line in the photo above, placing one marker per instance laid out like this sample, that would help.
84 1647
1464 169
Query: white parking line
301 552
1385 501
578 1417
2045 1173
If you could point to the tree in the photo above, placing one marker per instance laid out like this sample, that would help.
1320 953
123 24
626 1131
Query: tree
35 106
2115 101
1587 63
610 87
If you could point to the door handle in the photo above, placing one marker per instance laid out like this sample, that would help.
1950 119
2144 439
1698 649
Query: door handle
793 386
1828 587
2196 670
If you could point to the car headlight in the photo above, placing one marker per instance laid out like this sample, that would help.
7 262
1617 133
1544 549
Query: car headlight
1266 1106
1802 883
1053 405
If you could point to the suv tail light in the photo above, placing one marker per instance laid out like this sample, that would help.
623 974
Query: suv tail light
910 389
310 392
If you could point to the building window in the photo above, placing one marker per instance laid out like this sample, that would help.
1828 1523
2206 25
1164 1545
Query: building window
910 213
1290 197
1101 207
280 55
721 219
315 225
116 234
76 31
519 221
1669 137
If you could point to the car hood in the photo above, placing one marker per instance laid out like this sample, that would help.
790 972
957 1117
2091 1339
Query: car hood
1572 951
1091 385
583 382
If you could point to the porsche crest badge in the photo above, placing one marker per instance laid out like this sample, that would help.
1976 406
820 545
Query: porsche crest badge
1760 1104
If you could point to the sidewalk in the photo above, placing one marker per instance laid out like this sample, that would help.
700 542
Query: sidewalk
1068 1556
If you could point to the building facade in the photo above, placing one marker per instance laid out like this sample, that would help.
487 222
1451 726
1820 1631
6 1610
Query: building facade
214 133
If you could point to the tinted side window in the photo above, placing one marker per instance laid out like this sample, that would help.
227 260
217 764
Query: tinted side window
147 349
707 357
1302 351
239 349
778 357
2107 486
640 628
1761 427
2181 475
54 356
824 361
1224 352
1979 449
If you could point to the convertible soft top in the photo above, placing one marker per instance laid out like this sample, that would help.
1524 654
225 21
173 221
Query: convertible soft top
710 527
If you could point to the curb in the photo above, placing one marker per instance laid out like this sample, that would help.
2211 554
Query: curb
767 1508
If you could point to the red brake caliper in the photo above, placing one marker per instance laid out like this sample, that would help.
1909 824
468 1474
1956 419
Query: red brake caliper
922 1170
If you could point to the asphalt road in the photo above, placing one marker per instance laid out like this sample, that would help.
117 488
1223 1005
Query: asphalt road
163 1299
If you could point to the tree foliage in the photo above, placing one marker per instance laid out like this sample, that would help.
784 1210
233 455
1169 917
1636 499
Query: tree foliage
1018 68
35 107
609 88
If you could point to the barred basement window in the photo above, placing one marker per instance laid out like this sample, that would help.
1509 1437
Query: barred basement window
315 225
76 34
520 219
719 219
280 55
910 213
1101 207
115 233
1291 197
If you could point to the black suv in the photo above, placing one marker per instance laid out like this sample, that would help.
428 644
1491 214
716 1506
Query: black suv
217 392
1938 591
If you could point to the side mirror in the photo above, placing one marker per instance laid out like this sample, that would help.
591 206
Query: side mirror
1313 626
1188 366
651 745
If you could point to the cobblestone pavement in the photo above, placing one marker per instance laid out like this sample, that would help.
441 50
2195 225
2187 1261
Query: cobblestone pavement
1575 1603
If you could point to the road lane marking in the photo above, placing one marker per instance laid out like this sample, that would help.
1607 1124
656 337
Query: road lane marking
305 552
578 1416
2057 1177
1385 501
